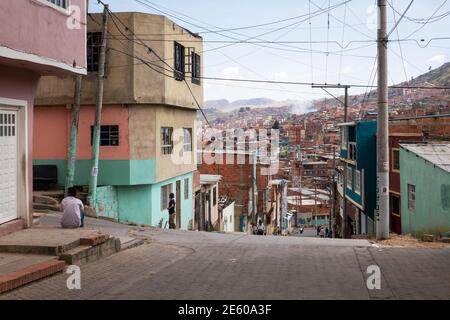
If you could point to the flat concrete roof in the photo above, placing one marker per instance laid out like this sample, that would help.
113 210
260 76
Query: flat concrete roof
437 154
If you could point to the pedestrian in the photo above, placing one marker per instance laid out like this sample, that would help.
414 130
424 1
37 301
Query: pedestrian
318 230
322 232
261 229
73 210
330 234
171 209
326 232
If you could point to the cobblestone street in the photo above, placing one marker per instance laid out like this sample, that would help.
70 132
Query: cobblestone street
198 265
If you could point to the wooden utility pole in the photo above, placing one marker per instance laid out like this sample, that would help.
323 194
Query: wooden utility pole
72 152
92 198
382 209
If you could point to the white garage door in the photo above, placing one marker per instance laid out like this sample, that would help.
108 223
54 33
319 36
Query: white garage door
8 165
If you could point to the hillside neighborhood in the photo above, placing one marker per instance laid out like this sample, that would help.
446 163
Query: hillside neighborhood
107 110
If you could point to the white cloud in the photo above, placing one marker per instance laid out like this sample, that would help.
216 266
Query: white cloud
438 59
232 72
280 76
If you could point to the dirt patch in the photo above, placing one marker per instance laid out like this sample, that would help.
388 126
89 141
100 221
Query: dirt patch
409 241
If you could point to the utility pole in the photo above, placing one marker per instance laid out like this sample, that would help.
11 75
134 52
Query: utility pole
333 192
92 198
254 187
344 187
72 153
382 209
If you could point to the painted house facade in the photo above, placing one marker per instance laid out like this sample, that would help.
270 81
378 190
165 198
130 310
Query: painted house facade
425 188
148 119
37 38
358 151
397 135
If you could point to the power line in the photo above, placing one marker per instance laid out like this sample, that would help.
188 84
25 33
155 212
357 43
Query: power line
399 20
399 43
422 20
154 53
428 20
292 48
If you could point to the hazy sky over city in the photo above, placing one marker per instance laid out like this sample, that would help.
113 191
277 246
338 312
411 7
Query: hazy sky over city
352 25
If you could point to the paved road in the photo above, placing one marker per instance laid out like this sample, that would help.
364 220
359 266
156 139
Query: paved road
199 265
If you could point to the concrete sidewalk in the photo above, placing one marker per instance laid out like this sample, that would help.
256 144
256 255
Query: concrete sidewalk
32 254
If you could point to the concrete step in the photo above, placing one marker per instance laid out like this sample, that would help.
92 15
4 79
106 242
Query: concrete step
88 253
49 241
17 270
131 244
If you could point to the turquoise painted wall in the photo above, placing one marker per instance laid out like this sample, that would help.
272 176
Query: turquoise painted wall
135 204
108 204
186 205
432 214
111 172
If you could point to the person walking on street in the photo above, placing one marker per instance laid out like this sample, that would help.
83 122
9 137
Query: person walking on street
171 209
318 230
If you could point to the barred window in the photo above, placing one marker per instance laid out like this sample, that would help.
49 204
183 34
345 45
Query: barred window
166 140
109 135
60 3
94 42
179 61
412 197
196 68
186 188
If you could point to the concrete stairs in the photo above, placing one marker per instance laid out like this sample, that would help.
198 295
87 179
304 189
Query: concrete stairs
32 254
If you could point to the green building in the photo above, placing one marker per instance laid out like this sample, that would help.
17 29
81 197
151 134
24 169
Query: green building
425 188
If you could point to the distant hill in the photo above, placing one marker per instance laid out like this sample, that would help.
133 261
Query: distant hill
436 77
439 77
225 105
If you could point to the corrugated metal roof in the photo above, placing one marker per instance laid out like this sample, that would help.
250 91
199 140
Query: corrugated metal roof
438 154
210 178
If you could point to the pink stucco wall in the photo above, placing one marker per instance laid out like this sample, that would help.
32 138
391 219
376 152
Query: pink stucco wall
20 84
52 132
30 26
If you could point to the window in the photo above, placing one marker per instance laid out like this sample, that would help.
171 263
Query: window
186 188
109 135
214 196
349 178
187 139
165 192
395 160
352 151
445 196
59 3
179 61
94 42
7 125
395 205
358 181
166 140
196 68
344 138
412 198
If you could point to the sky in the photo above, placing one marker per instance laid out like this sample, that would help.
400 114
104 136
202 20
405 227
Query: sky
300 58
